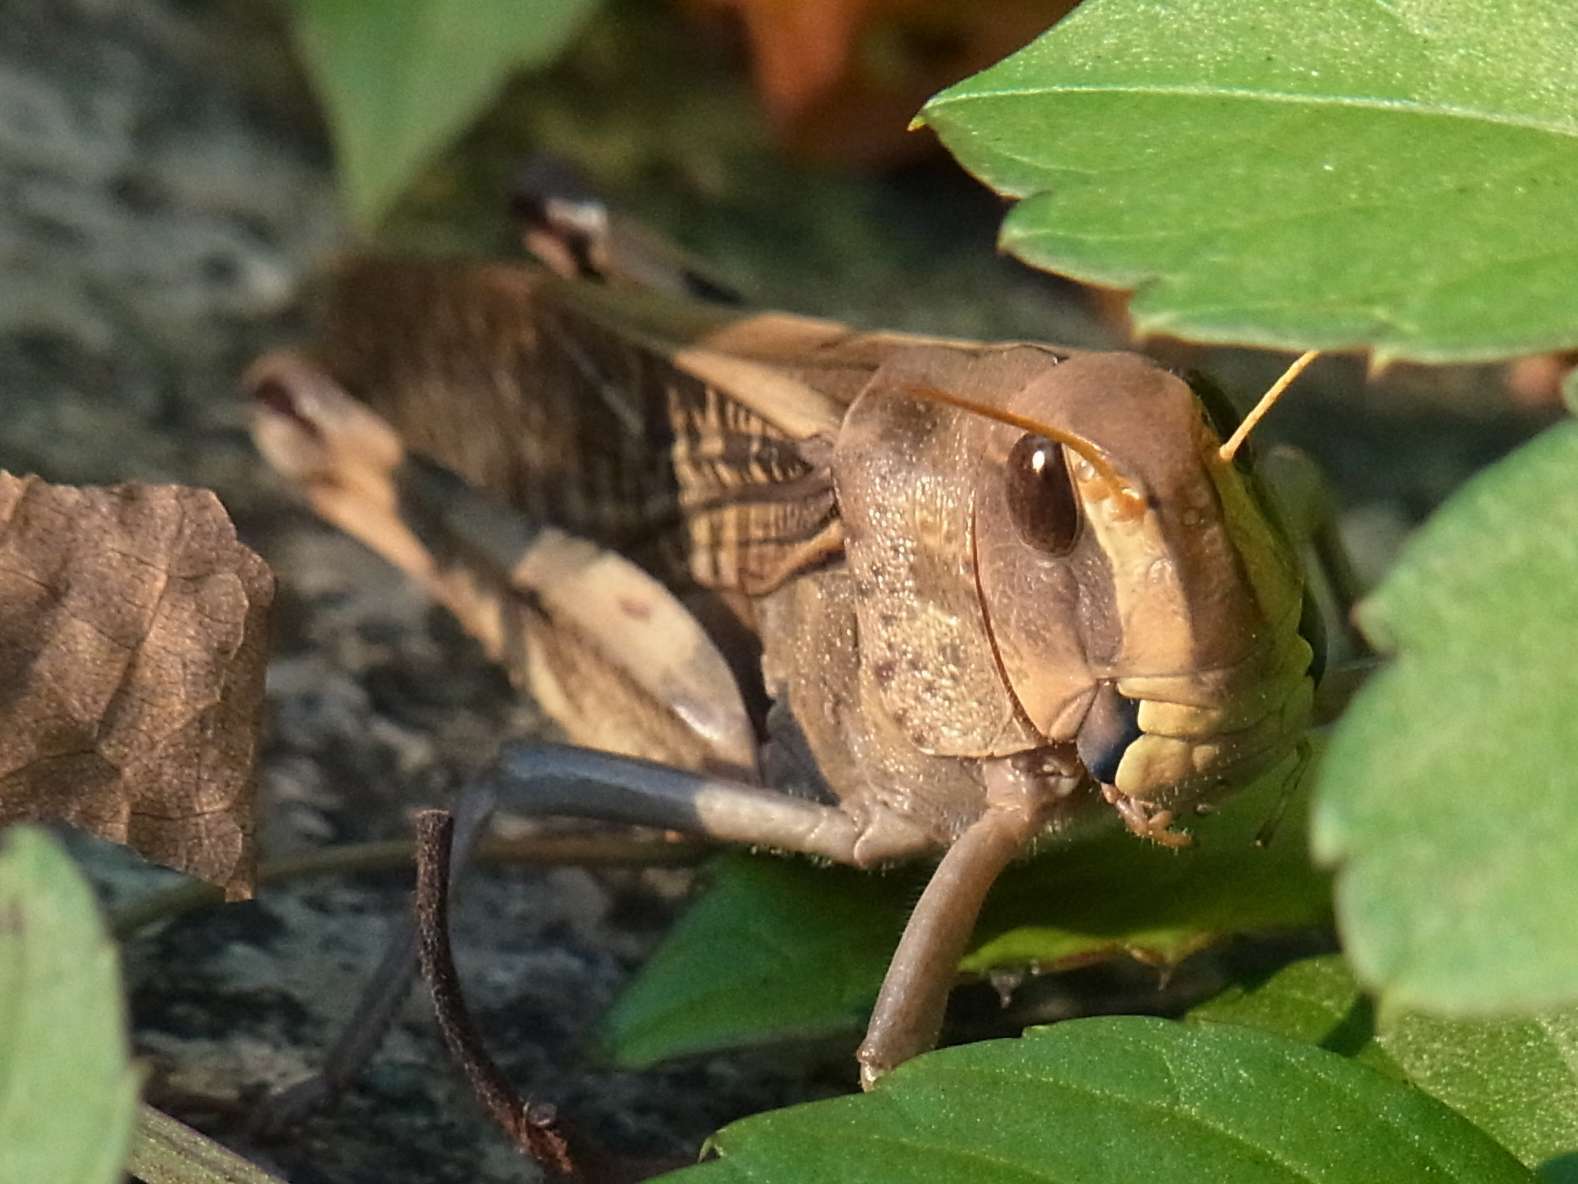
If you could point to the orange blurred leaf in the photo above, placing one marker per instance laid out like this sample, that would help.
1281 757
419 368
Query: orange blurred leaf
840 79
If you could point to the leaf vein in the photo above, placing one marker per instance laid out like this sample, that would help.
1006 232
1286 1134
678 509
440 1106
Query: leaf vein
1410 107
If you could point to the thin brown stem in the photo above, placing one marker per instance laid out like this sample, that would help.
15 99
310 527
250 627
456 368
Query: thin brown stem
534 1130
584 850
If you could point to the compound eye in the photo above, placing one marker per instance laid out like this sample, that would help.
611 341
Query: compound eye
1041 497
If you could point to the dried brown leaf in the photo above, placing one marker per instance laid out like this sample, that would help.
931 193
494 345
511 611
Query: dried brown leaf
132 649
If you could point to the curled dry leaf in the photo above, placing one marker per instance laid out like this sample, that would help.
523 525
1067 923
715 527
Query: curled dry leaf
132 647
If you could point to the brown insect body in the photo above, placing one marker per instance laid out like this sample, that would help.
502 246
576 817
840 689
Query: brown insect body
946 611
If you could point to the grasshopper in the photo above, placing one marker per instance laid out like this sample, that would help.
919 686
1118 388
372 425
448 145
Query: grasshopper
862 596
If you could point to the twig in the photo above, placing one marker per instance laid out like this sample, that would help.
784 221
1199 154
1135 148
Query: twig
583 850
534 1130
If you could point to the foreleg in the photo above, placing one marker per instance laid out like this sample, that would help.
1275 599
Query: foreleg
909 1010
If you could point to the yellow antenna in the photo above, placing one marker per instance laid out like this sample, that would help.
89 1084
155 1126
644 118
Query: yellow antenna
1130 501
1267 401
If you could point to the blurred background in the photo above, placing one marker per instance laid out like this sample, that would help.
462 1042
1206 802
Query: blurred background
167 191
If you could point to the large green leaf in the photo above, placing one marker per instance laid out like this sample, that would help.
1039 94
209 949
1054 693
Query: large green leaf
67 1090
1447 794
400 78
1516 1079
781 948
1402 175
1117 1101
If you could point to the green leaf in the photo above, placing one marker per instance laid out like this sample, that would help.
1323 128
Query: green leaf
1447 792
1114 894
1400 175
1314 1000
166 1151
1515 1079
777 949
400 78
67 1090
1114 1101
781 948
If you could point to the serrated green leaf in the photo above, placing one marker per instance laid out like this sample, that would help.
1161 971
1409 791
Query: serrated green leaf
1115 1101
1515 1079
1446 796
1399 175
399 78
779 948
67 1090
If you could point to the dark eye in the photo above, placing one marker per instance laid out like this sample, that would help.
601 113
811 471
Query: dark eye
1041 496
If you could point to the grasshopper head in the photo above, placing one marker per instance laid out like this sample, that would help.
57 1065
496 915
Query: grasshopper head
1183 592
1040 543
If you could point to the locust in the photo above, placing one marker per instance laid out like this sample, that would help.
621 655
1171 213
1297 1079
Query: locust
863 596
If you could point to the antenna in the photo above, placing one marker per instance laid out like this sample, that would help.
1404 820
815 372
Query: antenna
1130 500
1267 401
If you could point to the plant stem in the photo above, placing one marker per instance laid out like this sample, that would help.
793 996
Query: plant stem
611 850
